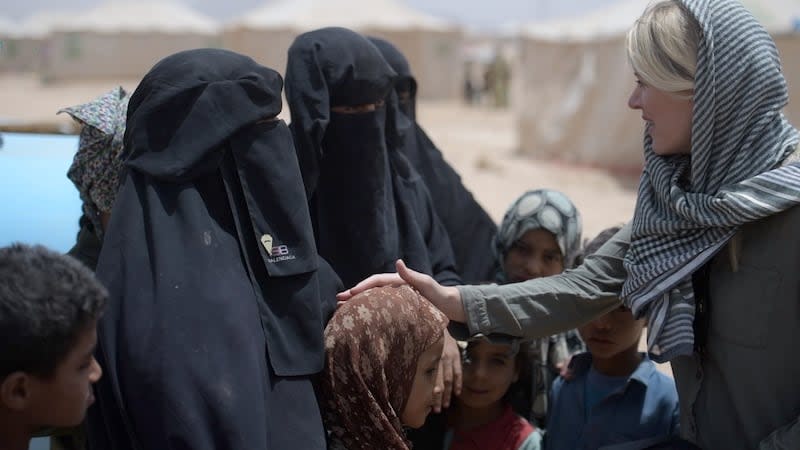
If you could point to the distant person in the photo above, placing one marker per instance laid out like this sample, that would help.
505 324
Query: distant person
471 92
468 226
614 394
218 298
498 79
49 307
710 258
382 357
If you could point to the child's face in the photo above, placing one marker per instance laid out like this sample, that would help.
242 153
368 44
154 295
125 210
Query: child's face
420 400
534 255
62 400
612 333
489 371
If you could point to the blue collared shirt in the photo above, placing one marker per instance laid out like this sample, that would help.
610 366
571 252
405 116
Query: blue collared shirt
645 407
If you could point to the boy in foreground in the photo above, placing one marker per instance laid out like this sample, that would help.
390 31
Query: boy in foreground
49 306
613 397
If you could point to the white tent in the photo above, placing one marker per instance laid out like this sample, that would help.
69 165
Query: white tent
431 45
24 42
8 28
40 24
124 39
573 83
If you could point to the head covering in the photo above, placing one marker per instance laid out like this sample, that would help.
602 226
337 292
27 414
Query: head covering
689 206
217 305
372 345
468 226
405 81
96 166
541 209
368 206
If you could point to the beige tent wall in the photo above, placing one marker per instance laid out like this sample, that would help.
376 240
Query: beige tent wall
571 101
20 54
789 49
74 55
267 47
434 57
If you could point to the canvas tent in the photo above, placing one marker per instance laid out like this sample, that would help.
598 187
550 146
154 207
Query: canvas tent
24 43
431 45
574 82
124 39
9 51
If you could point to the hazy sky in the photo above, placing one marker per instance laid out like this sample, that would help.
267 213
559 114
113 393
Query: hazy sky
476 13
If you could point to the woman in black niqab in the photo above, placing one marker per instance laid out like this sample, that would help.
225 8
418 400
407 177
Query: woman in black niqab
469 227
368 205
218 298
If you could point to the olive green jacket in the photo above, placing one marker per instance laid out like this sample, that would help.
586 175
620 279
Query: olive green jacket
741 391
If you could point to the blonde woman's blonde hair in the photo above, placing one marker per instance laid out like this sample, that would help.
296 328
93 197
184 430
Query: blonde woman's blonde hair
662 47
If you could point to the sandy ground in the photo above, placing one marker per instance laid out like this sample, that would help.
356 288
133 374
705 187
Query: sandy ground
481 144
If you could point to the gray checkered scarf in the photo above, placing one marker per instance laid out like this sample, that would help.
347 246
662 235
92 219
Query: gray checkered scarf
689 207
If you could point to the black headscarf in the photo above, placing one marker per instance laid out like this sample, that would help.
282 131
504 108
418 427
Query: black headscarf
217 296
368 206
469 227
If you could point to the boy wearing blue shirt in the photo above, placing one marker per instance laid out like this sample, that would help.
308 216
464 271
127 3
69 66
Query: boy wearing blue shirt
49 305
615 395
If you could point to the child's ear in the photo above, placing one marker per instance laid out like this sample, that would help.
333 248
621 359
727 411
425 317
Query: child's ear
15 391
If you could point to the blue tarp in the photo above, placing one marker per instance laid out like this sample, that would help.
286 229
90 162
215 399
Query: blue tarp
38 203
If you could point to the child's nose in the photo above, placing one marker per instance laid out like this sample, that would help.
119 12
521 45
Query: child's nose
534 267
603 323
95 371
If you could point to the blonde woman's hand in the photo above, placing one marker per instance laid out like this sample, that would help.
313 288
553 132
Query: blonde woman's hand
445 298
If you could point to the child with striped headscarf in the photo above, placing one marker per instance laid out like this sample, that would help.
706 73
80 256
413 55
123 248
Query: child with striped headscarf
540 236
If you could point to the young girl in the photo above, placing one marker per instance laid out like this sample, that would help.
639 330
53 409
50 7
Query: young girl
482 417
540 236
382 356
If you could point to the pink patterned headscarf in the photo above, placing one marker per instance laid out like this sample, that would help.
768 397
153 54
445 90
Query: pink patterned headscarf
372 346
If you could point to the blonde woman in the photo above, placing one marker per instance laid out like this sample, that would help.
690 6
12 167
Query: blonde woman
711 256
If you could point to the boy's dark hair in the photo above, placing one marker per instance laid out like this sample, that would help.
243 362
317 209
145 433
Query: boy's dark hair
46 301
590 247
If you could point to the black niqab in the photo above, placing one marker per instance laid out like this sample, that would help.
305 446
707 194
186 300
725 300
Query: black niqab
218 298
469 227
368 207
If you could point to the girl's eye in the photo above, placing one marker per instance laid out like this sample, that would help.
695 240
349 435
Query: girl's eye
518 246
498 361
